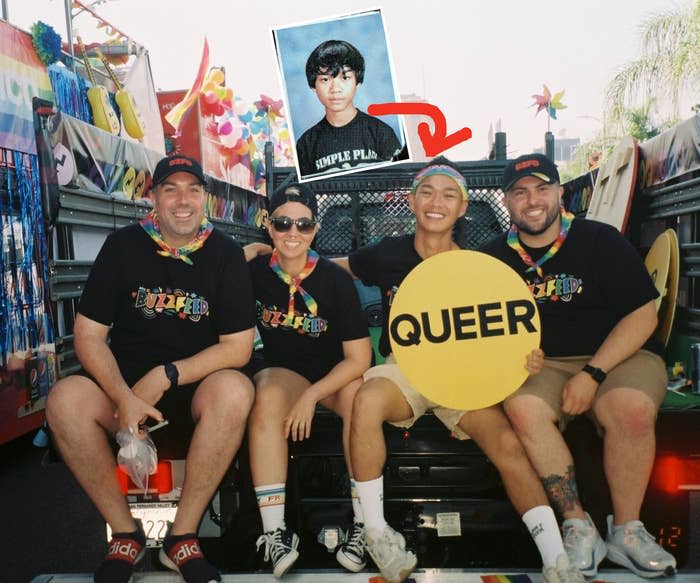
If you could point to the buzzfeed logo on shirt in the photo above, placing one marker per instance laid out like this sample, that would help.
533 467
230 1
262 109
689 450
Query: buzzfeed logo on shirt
556 288
173 303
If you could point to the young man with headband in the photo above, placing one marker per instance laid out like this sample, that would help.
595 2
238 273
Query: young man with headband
438 198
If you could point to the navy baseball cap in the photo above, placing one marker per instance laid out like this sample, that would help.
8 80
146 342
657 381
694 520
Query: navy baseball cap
293 192
536 165
172 164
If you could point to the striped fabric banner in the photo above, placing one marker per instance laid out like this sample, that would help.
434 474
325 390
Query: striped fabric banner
518 578
22 77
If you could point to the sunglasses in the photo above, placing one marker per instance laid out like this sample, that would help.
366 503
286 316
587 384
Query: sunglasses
284 224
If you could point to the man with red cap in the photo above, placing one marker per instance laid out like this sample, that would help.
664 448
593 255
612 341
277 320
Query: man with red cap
174 296
597 312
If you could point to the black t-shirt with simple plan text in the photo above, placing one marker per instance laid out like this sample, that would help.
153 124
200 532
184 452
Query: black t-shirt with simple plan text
385 264
593 281
162 309
364 140
310 345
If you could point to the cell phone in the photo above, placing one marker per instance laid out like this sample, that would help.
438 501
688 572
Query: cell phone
152 428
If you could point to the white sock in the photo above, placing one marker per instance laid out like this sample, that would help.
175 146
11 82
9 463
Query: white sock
271 498
371 495
544 530
356 506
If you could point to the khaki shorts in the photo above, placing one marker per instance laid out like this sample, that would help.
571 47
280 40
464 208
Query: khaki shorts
644 371
418 403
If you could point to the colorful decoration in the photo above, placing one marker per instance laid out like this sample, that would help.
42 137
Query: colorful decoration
237 131
176 115
25 324
47 42
548 103
70 92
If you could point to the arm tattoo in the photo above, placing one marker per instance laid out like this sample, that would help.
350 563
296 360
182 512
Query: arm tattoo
562 491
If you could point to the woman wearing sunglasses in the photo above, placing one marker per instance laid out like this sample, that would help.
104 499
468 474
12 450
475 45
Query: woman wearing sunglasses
315 349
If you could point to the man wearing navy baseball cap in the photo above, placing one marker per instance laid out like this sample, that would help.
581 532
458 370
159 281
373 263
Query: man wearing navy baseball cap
172 164
536 165
174 296
598 314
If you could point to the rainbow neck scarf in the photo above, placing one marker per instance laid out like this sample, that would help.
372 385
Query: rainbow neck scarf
151 226
294 283
514 243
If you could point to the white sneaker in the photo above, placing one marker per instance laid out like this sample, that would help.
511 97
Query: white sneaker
583 545
631 546
388 551
352 553
563 572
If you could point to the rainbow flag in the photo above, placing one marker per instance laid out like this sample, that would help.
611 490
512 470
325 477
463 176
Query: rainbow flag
522 578
176 116
22 77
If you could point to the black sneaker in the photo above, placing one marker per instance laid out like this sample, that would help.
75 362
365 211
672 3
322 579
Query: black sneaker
280 548
352 553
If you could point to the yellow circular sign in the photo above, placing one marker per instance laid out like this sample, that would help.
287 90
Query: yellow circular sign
461 327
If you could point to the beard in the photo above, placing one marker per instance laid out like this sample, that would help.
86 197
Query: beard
524 227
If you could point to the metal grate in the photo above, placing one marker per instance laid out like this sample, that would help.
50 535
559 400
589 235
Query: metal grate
361 208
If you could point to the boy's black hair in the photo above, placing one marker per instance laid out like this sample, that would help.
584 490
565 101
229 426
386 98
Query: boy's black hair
330 57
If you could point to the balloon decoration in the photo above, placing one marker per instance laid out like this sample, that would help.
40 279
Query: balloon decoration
239 130
548 103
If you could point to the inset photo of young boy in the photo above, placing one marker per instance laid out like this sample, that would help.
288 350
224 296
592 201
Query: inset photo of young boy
331 71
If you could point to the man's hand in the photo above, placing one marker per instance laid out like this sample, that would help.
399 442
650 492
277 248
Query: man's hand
132 412
252 250
151 386
298 422
535 361
578 394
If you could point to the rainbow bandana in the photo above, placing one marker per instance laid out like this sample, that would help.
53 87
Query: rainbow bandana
151 226
441 169
294 283
514 243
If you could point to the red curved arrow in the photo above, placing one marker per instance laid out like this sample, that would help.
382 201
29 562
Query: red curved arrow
435 143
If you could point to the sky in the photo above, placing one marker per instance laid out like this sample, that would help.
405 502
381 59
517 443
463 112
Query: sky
477 60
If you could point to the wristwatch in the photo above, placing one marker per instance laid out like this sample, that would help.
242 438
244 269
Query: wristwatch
598 374
172 374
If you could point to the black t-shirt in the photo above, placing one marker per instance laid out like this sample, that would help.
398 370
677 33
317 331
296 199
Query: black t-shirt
385 264
309 345
364 140
162 309
593 281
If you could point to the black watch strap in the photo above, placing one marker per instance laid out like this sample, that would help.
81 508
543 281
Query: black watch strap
598 374
172 374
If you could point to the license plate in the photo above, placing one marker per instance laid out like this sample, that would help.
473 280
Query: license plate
155 517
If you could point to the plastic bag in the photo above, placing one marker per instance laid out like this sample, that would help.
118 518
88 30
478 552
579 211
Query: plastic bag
137 457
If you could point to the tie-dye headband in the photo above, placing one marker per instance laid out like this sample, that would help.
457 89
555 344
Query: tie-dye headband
441 169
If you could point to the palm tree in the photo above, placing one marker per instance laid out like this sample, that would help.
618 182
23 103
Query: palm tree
669 64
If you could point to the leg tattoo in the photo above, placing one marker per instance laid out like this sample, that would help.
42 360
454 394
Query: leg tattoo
562 491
